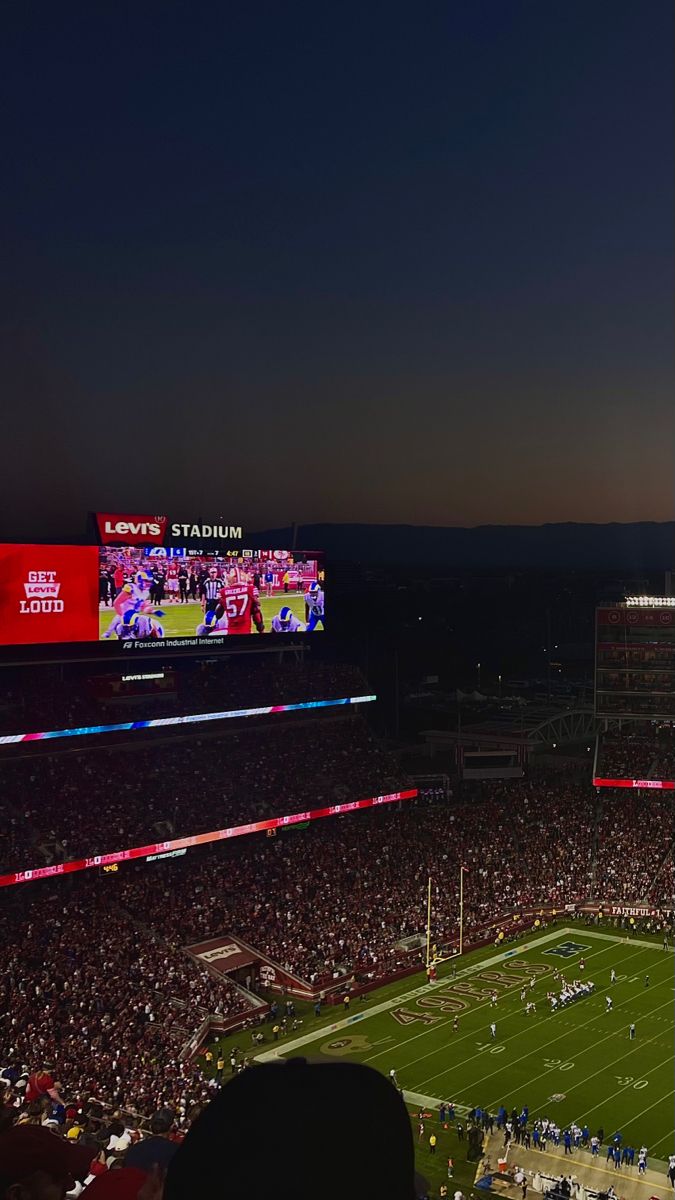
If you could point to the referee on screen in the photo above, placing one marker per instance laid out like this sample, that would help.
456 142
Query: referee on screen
210 590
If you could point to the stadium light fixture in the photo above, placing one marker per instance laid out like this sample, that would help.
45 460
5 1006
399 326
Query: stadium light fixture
650 601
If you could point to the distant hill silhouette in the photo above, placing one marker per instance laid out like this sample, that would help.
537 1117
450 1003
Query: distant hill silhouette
645 545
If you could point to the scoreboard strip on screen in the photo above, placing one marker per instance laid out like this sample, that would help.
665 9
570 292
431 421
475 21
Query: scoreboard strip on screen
144 597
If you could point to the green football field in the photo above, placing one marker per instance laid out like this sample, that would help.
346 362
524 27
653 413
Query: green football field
577 1064
181 620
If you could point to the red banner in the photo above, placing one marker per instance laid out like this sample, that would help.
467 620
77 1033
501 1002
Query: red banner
131 530
665 784
48 594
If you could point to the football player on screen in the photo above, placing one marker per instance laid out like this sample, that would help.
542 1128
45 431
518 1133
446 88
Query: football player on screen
145 627
239 601
314 607
119 629
211 624
133 597
286 622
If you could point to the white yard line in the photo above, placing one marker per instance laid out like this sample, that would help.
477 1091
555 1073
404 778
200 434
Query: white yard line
426 989
422 990
669 1139
429 1102
617 1091
525 1030
603 1069
472 1034
403 1042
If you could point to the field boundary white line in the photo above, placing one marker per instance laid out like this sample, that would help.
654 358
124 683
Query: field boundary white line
625 940
428 988
421 990
526 1030
431 1102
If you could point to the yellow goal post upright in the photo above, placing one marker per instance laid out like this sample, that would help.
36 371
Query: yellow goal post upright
433 958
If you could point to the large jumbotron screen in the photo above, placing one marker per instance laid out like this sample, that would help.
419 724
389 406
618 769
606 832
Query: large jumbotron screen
134 597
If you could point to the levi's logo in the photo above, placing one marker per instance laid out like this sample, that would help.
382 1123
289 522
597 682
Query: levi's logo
133 527
225 951
42 593
132 530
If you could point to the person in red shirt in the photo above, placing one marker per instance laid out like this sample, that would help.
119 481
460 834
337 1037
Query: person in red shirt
240 602
172 583
40 1084
118 580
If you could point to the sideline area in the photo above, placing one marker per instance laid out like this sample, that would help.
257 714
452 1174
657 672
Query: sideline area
592 1173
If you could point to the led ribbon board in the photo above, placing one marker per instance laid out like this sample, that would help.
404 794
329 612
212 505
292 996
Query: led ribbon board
199 839
11 739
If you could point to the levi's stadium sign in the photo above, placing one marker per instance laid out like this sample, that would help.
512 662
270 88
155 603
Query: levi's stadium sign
140 530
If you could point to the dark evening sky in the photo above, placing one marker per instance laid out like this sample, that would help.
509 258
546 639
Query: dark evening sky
316 262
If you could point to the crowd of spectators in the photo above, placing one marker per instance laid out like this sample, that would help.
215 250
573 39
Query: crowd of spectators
351 912
639 751
58 807
367 889
96 975
88 988
64 697
66 1150
634 858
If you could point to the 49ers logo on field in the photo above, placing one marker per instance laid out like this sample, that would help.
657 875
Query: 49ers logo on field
42 593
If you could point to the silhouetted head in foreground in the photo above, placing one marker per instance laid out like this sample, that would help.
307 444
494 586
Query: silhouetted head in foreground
299 1129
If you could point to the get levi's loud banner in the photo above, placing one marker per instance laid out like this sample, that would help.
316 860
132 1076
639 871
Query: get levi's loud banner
48 594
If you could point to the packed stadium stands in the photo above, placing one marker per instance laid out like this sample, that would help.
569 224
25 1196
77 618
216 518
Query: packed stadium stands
93 992
43 699
84 971
635 839
98 986
56 807
640 750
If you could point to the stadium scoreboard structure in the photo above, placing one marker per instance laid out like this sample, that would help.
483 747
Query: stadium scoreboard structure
142 590
635 659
